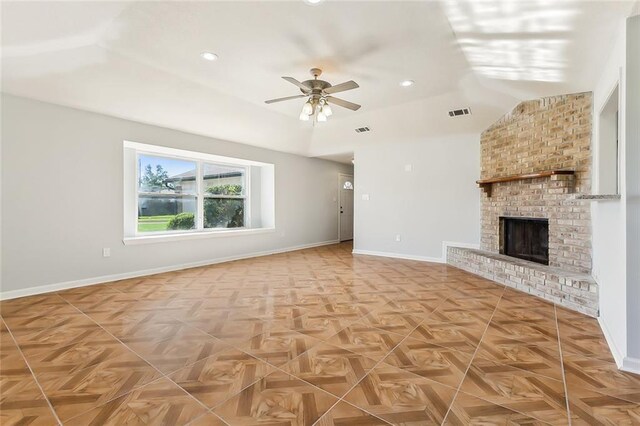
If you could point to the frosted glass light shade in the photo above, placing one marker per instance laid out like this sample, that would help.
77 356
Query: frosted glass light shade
307 108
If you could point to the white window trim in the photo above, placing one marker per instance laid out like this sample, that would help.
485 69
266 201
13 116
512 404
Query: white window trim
200 231
190 155
200 195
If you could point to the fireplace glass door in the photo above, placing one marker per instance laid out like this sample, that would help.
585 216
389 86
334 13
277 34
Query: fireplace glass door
526 238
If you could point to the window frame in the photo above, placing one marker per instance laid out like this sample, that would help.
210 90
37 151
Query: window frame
265 206
246 211
615 93
199 194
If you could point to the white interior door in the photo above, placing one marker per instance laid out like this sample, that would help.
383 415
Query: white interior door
346 207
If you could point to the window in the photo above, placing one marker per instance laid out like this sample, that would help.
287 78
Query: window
224 196
176 192
167 194
608 151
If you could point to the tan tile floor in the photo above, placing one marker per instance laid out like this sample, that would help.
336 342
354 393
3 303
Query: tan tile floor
310 337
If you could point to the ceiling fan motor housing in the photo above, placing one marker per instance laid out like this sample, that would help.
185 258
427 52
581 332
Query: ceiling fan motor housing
315 86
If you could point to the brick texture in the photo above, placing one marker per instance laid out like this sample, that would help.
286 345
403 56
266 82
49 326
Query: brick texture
572 290
546 134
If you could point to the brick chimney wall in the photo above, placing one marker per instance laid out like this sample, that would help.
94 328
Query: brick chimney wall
546 134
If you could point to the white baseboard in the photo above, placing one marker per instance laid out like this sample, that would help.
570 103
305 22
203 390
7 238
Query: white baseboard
618 356
630 364
398 256
13 294
447 244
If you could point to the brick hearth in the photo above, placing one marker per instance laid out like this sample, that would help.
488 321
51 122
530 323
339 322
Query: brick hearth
573 290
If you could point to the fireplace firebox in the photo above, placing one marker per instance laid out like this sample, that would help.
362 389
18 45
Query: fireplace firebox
525 238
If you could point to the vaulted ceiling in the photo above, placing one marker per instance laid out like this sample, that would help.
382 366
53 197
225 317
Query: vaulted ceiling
141 61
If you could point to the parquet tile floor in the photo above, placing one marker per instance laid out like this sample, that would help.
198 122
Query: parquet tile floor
317 336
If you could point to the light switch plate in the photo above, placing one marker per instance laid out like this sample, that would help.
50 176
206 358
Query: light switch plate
365 197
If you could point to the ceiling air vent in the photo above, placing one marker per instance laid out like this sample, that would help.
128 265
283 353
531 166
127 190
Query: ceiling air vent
362 129
459 112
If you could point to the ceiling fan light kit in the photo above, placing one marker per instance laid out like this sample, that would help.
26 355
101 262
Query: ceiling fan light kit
318 96
325 108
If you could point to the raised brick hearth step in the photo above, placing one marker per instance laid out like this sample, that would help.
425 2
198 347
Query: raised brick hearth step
569 289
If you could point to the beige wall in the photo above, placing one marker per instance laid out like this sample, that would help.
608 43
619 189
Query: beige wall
423 191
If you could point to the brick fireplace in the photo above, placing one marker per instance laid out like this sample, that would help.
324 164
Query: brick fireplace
550 139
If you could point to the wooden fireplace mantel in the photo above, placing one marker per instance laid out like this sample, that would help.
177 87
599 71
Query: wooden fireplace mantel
487 184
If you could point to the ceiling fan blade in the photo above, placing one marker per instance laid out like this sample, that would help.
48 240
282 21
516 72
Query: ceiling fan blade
343 103
348 85
270 101
297 83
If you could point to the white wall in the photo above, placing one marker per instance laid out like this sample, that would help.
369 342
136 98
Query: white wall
437 201
632 177
62 189
609 218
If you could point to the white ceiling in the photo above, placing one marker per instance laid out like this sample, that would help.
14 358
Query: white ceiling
140 61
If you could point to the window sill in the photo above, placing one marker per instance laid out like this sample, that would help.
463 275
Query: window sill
152 239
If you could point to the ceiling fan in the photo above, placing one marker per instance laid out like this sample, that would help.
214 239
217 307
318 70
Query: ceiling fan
319 96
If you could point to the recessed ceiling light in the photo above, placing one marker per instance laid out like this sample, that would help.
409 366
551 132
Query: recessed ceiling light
313 1
209 56
407 83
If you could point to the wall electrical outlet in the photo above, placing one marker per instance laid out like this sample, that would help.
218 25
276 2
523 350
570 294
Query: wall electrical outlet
398 238
106 252
365 197
408 167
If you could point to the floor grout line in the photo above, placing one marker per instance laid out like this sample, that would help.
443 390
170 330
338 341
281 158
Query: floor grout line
564 379
341 399
35 379
473 356
516 368
211 410
139 356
